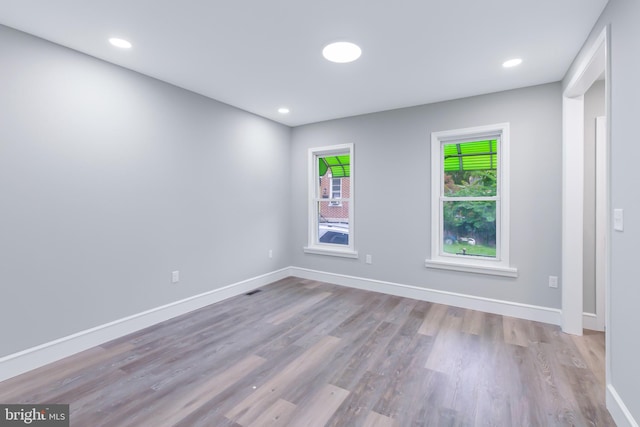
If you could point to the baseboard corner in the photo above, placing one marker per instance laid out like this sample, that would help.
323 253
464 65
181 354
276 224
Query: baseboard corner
23 361
618 410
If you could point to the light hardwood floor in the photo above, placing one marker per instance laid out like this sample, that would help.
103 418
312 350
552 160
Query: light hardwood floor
304 353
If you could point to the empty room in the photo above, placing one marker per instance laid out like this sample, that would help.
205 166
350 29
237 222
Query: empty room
337 213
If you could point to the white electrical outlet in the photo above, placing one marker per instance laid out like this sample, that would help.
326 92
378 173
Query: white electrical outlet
367 259
270 253
175 276
553 281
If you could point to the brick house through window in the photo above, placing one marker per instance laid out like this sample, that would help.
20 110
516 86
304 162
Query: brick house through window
334 188
331 191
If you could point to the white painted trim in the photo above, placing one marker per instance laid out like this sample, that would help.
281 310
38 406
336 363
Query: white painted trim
488 305
618 410
32 358
572 214
596 61
472 268
331 252
590 321
603 178
607 284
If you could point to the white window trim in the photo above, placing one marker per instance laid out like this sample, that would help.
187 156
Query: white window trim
313 245
500 265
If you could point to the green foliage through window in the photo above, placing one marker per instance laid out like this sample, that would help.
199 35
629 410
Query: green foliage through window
469 205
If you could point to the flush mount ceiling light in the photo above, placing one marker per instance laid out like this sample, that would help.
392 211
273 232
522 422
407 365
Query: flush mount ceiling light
512 63
283 110
341 52
121 43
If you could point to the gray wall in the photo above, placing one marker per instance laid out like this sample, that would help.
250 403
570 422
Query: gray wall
110 180
593 107
392 210
622 17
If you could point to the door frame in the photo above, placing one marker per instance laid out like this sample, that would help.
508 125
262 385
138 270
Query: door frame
596 62
602 221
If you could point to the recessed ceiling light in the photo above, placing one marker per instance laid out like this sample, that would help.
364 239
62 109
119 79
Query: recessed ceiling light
341 52
512 63
121 43
283 110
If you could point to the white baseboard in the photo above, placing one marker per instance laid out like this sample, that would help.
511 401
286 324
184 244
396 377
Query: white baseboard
32 358
488 305
618 409
18 363
590 321
35 357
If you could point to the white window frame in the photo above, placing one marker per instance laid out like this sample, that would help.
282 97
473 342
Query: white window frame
338 200
314 246
500 265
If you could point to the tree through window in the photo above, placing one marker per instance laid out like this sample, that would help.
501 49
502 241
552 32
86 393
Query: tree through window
469 200
469 195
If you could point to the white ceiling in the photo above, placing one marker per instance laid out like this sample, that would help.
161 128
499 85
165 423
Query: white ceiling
259 55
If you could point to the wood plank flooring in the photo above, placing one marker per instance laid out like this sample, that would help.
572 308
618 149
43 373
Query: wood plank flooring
304 353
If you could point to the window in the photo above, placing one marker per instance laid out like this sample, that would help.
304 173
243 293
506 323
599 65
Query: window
331 175
336 191
470 200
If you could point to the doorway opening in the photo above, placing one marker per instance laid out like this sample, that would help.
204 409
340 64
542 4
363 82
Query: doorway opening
595 207
593 68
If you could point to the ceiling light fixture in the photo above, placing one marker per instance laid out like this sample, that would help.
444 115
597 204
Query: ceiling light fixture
283 110
121 43
512 63
341 52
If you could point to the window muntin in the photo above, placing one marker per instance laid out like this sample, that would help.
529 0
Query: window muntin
331 201
469 200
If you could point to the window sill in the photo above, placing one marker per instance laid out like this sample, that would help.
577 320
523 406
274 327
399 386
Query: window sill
472 268
331 252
